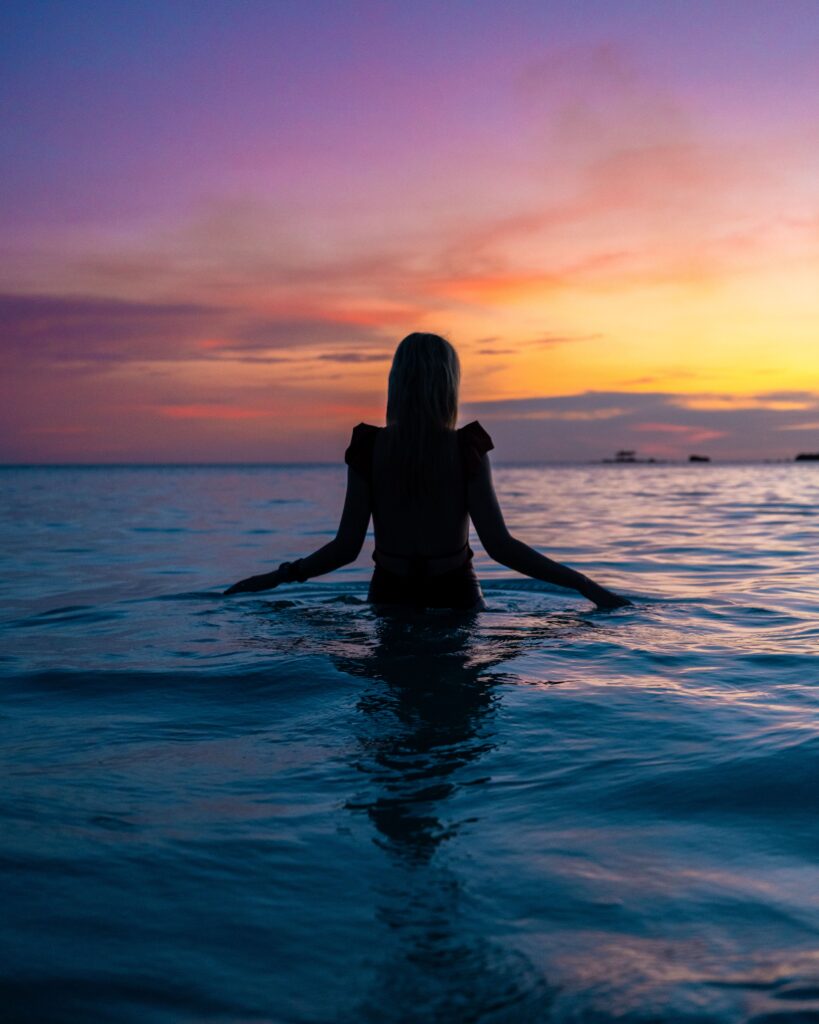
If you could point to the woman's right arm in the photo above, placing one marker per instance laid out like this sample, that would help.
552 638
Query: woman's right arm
500 545
341 550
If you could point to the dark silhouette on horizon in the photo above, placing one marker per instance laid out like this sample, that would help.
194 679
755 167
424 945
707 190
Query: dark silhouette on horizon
627 457
422 480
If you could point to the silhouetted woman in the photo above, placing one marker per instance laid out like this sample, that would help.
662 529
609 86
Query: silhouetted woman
422 481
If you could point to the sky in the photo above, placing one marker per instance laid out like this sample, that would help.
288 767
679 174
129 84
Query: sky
217 219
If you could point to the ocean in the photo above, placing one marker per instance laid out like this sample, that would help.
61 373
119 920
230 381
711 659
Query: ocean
284 808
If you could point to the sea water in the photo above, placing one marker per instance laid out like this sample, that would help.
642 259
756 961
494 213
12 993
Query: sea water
282 807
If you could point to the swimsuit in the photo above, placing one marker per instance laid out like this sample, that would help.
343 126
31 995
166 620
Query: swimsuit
446 581
458 588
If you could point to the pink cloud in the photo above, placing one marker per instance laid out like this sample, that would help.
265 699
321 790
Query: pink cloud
691 432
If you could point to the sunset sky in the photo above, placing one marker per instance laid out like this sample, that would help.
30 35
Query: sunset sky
217 219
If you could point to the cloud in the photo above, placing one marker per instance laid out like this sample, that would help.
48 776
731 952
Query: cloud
687 432
49 327
608 184
625 188
806 397
211 411
800 426
298 332
594 424
355 357
573 414
546 341
785 400
675 373
611 182
563 339
89 332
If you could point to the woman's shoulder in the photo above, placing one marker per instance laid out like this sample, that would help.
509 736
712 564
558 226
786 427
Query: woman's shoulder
475 442
359 453
473 433
364 430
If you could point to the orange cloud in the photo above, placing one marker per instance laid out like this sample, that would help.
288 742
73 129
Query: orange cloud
574 415
742 402
501 288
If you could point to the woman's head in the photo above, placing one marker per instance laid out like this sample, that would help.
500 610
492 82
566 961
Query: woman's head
424 381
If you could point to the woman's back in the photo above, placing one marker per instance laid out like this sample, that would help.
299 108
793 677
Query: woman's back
432 522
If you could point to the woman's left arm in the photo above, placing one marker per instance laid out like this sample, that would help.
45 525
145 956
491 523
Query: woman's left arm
341 550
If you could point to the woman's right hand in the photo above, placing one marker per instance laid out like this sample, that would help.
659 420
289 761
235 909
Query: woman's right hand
253 584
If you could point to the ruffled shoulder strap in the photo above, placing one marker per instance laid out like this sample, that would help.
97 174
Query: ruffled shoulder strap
359 453
475 443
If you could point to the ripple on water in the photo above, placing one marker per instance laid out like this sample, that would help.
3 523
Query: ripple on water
284 806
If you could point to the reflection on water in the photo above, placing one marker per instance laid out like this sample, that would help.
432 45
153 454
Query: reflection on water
426 720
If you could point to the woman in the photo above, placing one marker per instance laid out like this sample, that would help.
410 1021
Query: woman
422 480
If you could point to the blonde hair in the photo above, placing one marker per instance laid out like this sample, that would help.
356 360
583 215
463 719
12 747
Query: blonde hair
422 403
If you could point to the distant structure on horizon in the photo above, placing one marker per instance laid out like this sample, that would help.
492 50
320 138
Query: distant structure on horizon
699 458
627 455
807 457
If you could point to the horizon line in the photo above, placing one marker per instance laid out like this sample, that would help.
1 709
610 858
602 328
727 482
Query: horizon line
654 461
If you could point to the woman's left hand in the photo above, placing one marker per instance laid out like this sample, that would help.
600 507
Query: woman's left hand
608 600
265 581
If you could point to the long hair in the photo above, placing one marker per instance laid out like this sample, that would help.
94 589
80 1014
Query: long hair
422 404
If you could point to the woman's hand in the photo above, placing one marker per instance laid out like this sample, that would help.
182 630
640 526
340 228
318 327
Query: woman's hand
608 600
265 581
603 598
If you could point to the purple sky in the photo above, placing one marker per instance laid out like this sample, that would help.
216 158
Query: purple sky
219 218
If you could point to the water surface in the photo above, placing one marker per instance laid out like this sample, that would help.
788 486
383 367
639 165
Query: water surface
282 807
